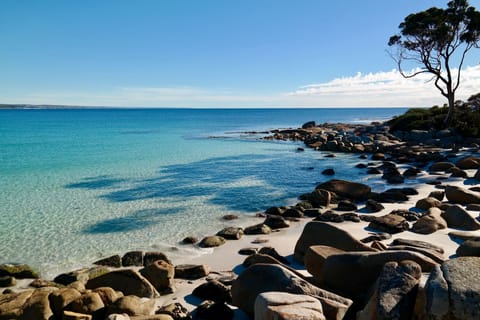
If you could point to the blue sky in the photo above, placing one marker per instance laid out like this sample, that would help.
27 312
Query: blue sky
210 53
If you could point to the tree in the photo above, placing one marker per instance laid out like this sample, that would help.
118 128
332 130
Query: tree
437 40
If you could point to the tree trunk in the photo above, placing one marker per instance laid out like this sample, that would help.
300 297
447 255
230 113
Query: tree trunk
451 109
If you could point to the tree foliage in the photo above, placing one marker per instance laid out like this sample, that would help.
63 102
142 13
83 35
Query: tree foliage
438 40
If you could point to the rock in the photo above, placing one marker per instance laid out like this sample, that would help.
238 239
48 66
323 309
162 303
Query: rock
439 195
376 236
453 290
312 213
468 162
129 282
213 290
346 205
418 244
88 303
347 189
320 233
273 253
473 207
378 245
160 274
373 206
457 217
190 240
373 171
114 261
441 166
389 197
469 248
405 191
108 295
37 306
411 172
59 299
230 217
286 306
261 278
274 211
329 216
328 172
316 256
210 310
212 241
430 222
132 258
320 197
458 173
395 292
390 223
42 283
151 257
176 310
309 125
257 258
70 315
432 254
461 196
7 281
464 235
247 251
231 233
378 156
294 212
81 275
77 285
350 216
407 214
191 271
19 271
11 304
427 203
133 306
350 273
477 175
258 229
361 166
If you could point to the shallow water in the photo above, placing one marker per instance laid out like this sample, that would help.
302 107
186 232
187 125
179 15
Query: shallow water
77 185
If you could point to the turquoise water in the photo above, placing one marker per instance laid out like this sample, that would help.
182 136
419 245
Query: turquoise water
77 185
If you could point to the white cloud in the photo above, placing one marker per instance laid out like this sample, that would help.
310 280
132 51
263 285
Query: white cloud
384 89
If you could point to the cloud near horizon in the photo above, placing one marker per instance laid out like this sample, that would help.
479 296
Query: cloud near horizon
379 89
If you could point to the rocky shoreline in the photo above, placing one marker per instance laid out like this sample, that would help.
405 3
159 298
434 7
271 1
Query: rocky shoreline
342 252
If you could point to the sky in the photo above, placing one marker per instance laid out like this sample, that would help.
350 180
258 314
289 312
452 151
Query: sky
212 53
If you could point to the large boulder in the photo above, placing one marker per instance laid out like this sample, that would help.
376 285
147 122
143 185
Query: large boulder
129 282
453 290
390 223
468 162
321 233
286 306
133 306
460 195
11 304
347 189
457 217
37 306
350 273
430 222
395 292
469 248
59 299
160 274
261 278
316 257
88 303
213 290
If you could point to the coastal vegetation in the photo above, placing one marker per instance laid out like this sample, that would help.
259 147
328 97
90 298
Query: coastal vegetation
438 41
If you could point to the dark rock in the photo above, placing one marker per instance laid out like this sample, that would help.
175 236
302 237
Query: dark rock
292 213
395 292
300 149
309 125
129 282
406 191
350 216
373 171
473 207
274 211
373 206
151 257
258 229
260 258
213 290
347 189
418 244
114 261
469 162
430 222
7 281
346 205
432 254
427 203
316 256
328 172
350 273
231 233
469 248
260 278
19 271
273 253
191 271
190 240
132 258
457 217
439 195
390 223
276 222
361 166
247 251
457 173
461 196
378 156
320 233
363 156
377 236
133 306
312 213
453 290
462 235
441 166
329 216
211 241
230 217
175 310
210 310
389 197
407 214
411 172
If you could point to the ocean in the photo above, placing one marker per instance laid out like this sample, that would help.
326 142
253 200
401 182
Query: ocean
77 185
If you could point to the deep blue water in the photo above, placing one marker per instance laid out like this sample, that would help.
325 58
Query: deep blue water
79 184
